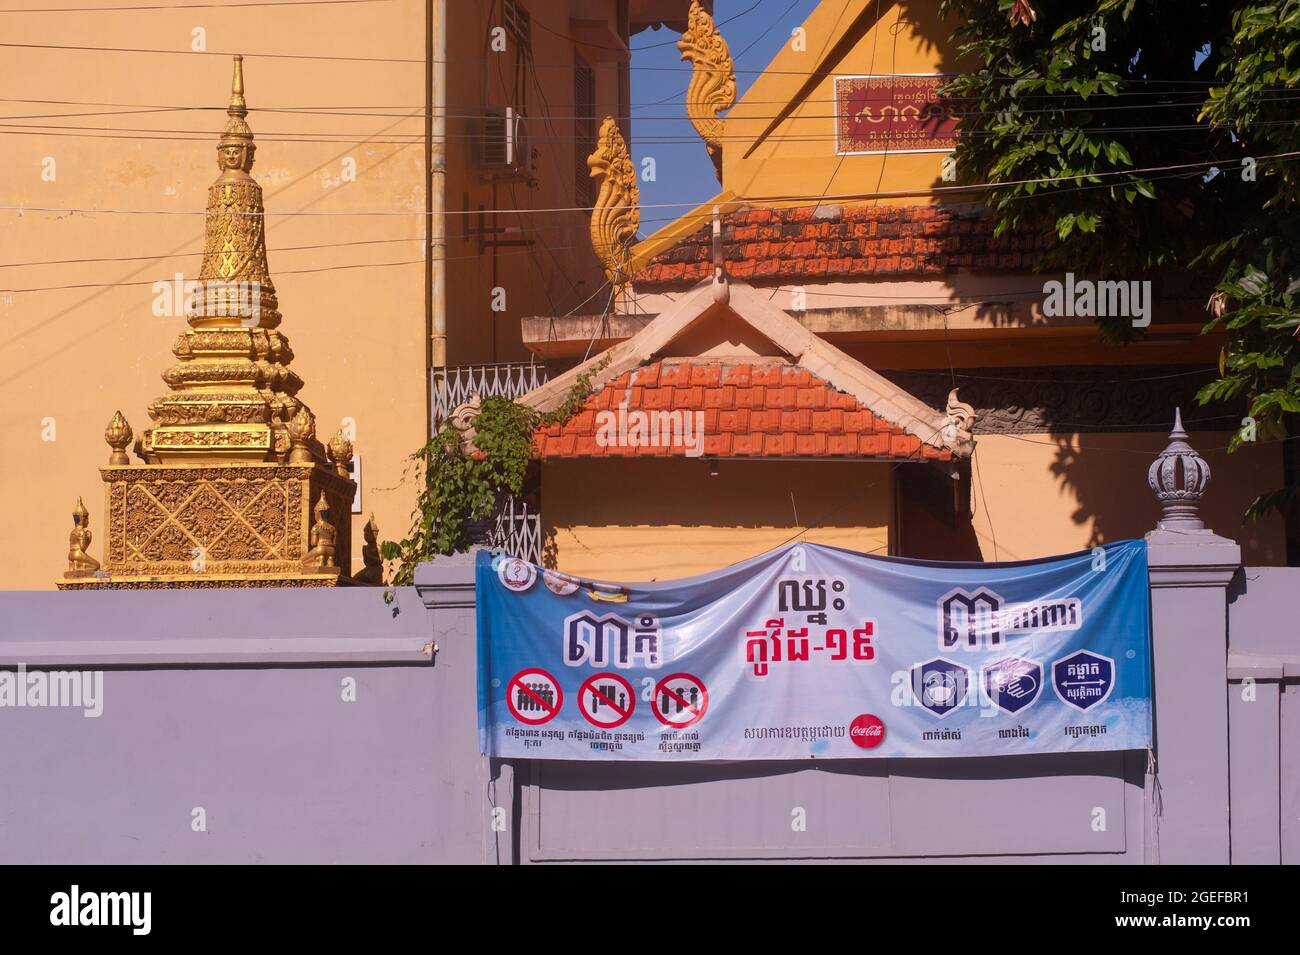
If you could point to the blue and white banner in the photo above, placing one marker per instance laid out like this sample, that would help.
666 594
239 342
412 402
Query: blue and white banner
813 651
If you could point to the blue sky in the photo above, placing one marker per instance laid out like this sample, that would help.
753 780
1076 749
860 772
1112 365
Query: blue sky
755 30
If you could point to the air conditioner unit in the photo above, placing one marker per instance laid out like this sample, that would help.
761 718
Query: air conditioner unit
501 146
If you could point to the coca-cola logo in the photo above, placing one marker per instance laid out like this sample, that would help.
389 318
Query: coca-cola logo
867 731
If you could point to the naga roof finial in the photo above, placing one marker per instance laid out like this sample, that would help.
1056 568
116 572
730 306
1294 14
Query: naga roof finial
712 90
617 213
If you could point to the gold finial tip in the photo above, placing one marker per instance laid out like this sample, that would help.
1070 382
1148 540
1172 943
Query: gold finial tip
237 131
238 107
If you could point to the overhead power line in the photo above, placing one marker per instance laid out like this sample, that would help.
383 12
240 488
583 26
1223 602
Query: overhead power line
124 109
275 272
470 61
1220 164
414 113
416 139
403 110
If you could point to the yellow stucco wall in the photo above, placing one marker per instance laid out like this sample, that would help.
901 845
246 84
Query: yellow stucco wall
352 288
661 519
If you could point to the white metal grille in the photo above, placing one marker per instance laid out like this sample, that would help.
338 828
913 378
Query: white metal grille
519 530
452 387
519 25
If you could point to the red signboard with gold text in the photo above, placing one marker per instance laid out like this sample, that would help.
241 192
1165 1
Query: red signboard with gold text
893 114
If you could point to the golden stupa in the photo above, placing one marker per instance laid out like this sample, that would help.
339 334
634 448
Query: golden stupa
232 488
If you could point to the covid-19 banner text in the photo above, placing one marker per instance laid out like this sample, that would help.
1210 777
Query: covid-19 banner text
812 651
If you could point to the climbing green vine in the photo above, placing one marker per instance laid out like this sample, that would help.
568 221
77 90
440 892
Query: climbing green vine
459 490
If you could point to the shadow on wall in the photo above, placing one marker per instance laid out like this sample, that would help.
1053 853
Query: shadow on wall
1036 495
1061 462
1106 475
580 776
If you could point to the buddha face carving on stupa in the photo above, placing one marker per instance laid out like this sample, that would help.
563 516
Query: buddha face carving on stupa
232 156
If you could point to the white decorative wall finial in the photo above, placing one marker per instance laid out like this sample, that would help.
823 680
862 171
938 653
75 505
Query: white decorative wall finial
1178 477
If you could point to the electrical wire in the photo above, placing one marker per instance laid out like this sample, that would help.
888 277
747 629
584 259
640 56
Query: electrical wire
11 122
561 66
781 102
356 265
130 109
765 200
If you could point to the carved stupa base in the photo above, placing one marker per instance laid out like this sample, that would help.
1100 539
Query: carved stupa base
196 583
218 525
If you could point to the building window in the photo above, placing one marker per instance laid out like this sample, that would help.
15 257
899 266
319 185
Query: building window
584 130
519 27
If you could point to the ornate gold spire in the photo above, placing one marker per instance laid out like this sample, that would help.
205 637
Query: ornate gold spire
232 394
235 489
617 213
712 90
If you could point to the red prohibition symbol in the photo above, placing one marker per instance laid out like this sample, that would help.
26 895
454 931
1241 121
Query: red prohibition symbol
606 700
680 700
534 696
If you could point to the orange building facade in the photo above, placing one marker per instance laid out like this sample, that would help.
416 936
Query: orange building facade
838 203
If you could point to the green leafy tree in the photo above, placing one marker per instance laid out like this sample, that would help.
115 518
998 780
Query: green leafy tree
1258 294
1156 137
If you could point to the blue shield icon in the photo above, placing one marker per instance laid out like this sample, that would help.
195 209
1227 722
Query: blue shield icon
940 685
1013 683
1083 679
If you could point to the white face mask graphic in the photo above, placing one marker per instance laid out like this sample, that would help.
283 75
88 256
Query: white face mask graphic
940 688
